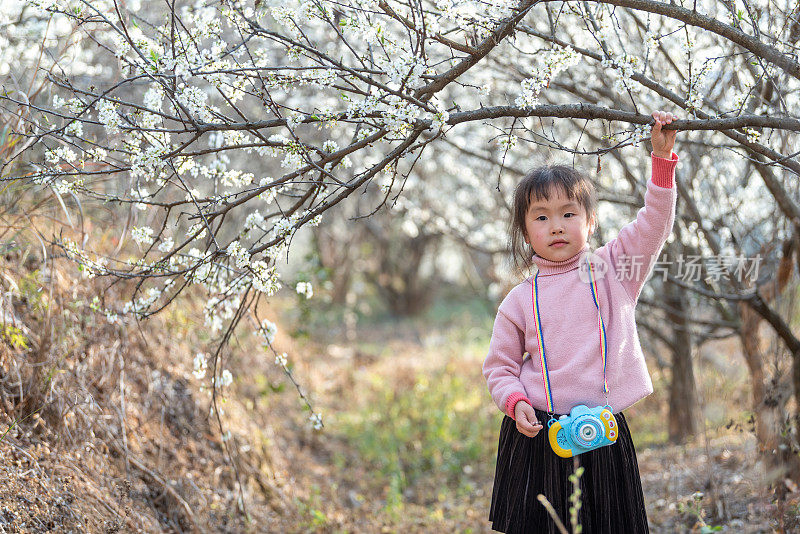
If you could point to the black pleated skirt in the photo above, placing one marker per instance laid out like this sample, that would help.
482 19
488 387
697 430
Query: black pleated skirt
611 490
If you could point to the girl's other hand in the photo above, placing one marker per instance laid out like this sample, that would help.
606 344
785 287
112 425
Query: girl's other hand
663 140
526 419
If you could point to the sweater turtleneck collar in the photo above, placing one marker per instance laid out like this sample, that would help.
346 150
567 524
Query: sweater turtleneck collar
547 267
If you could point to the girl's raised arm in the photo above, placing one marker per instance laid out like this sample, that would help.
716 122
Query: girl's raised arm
636 248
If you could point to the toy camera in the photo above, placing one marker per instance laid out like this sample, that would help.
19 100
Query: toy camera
582 430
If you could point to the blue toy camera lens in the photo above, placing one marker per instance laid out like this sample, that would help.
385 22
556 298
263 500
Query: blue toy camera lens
587 431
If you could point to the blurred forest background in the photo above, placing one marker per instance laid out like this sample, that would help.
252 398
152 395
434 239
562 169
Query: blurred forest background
251 254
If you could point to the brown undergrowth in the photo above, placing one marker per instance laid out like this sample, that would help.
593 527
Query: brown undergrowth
104 427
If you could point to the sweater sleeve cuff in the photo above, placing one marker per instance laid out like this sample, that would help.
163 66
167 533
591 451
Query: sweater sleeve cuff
512 401
664 170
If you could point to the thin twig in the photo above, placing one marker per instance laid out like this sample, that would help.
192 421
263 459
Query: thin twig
552 512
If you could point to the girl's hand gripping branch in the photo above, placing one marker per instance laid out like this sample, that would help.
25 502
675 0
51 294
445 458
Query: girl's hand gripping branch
663 140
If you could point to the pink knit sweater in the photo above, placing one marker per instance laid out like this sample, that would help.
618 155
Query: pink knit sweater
569 317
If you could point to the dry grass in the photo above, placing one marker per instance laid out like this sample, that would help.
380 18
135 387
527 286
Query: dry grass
112 425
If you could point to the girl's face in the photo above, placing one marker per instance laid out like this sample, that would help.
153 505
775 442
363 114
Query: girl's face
558 228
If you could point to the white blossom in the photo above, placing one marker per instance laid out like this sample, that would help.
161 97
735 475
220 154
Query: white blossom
200 365
639 133
651 41
253 220
226 379
63 186
265 277
270 330
107 114
238 253
507 142
120 45
153 98
74 128
61 153
142 235
304 288
166 244
551 63
622 67
195 100
316 420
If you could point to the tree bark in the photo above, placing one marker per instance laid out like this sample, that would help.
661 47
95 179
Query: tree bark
395 268
682 390
769 403
338 256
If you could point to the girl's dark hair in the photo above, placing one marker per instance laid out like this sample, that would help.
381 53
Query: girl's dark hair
538 184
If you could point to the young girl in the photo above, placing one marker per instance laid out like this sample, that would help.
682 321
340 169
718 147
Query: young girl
567 336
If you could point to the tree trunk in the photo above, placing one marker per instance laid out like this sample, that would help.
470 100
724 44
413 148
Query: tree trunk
682 390
769 404
336 253
400 282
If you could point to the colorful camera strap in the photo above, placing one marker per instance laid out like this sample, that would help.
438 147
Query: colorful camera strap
548 392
